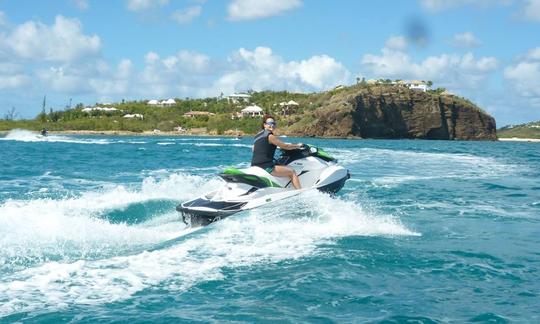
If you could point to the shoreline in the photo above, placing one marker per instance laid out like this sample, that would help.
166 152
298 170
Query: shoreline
129 133
518 139
205 134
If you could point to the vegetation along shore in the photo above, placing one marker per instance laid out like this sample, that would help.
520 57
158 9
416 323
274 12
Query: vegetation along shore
381 109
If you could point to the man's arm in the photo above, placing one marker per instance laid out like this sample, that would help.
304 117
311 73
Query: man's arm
277 142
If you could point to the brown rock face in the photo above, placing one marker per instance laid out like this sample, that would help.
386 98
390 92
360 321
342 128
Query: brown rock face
392 112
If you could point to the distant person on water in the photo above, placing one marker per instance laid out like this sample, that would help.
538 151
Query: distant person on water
44 132
264 148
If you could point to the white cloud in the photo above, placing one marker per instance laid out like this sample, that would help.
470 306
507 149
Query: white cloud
184 74
524 76
398 43
186 15
440 5
125 69
140 5
531 11
183 61
13 81
449 70
3 19
81 4
194 74
63 79
151 57
527 9
95 77
12 76
255 9
165 77
261 69
63 41
466 39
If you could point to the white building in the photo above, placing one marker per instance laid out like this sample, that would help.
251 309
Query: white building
417 85
289 107
104 109
252 111
237 98
168 102
134 116
153 102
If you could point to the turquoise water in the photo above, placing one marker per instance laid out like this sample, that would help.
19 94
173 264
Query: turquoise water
425 231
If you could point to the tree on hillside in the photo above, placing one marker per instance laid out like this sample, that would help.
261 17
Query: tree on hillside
11 114
42 116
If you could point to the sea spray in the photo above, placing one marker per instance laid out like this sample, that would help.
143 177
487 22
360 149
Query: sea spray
250 238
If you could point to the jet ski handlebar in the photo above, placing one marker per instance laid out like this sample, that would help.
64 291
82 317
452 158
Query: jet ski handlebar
287 156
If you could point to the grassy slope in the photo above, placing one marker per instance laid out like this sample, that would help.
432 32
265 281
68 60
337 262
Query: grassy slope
166 118
529 130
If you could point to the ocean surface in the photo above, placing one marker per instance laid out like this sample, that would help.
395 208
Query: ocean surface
423 232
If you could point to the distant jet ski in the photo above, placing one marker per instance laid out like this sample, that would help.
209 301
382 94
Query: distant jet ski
44 132
253 187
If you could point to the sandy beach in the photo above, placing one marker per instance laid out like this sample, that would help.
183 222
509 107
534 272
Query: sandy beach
516 139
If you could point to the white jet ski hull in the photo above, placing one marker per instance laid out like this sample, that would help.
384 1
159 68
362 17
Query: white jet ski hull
241 193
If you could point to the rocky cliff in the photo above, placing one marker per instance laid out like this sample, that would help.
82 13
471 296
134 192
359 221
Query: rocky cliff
394 112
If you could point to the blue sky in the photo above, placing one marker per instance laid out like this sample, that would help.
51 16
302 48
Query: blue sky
104 51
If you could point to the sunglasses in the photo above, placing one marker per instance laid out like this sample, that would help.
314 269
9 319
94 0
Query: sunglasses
271 123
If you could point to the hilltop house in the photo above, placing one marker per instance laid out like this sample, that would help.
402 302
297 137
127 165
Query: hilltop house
133 116
252 111
153 102
414 84
168 102
104 109
289 107
417 85
237 98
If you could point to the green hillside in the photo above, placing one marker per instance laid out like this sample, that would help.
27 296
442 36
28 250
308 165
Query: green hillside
529 130
323 108
163 118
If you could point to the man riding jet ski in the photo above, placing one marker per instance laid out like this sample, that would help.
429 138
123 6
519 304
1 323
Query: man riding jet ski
264 148
299 168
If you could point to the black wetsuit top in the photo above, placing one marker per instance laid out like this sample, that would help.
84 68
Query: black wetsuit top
263 150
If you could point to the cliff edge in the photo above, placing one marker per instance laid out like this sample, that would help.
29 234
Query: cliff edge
395 112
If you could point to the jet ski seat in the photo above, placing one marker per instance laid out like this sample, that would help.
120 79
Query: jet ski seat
238 176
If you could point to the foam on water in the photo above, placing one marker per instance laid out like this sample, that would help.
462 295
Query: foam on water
34 231
289 229
397 167
217 144
22 135
201 139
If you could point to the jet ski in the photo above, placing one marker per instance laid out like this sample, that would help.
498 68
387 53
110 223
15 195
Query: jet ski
253 187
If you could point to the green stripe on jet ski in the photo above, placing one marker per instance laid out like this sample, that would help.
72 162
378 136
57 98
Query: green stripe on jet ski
232 171
323 154
235 175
